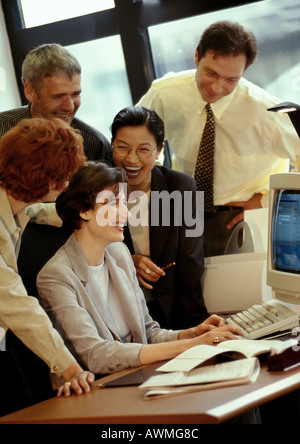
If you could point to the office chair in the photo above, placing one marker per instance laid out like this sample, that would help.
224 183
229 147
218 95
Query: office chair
39 245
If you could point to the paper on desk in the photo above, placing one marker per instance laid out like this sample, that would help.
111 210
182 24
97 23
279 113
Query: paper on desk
248 348
231 373
190 359
172 391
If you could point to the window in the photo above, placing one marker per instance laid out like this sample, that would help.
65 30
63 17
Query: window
276 27
105 88
36 12
135 41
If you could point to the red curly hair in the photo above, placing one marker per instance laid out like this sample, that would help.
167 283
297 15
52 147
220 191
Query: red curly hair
38 154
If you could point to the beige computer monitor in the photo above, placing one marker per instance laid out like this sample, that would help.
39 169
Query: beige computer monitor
283 260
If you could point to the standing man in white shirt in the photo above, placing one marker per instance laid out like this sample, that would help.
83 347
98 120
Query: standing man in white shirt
250 143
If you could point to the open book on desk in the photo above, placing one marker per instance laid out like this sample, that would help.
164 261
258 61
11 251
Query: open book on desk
236 349
244 371
180 374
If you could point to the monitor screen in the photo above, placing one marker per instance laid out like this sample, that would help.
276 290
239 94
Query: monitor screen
285 236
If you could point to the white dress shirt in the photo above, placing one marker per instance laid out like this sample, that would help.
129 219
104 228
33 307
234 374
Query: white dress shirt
251 143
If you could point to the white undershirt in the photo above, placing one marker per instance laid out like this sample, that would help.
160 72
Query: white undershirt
102 278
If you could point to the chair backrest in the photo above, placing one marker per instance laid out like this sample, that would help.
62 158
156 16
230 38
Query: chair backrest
39 244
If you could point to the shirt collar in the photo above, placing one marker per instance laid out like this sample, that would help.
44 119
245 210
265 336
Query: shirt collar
29 111
218 107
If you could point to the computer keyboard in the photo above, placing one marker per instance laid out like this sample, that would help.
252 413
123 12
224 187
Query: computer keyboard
264 319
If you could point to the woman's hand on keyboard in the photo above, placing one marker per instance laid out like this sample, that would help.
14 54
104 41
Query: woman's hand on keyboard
218 334
211 323
214 327
214 321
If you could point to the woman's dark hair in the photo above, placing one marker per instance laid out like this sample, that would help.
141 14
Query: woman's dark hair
227 38
139 116
84 188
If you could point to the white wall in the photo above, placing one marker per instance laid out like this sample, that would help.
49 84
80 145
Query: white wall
9 94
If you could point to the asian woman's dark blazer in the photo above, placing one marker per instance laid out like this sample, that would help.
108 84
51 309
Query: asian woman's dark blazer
179 293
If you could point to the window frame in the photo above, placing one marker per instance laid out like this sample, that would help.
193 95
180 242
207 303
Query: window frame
133 31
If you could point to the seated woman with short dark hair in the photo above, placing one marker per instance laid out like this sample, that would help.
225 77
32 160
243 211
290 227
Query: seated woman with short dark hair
90 289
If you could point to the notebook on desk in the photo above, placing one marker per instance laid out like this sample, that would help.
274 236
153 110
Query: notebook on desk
134 378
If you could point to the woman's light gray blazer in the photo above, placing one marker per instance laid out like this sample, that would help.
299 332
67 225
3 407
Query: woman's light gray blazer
70 296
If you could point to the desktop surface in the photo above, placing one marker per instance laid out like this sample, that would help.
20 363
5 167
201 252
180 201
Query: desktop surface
125 405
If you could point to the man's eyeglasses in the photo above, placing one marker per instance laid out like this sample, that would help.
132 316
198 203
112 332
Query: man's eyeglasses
142 153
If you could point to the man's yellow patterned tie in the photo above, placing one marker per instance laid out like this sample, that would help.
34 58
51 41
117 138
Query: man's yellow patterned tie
204 170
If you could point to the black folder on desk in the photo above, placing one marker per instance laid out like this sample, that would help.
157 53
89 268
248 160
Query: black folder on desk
284 361
136 377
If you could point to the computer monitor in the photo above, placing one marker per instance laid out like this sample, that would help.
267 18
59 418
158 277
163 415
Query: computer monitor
283 260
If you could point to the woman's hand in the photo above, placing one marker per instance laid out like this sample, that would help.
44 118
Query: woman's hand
213 324
77 380
209 324
168 350
146 270
251 204
214 321
219 334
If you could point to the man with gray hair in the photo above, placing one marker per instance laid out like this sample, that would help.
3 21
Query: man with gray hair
51 76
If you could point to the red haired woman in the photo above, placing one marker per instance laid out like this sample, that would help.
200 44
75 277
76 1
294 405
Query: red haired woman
37 159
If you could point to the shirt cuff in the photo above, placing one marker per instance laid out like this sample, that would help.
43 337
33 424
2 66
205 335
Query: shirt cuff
62 361
265 200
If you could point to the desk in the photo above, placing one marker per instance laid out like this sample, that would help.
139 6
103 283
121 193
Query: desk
125 405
